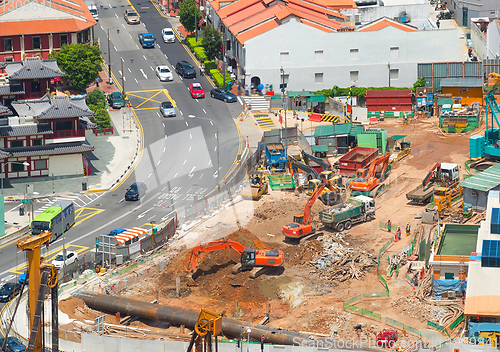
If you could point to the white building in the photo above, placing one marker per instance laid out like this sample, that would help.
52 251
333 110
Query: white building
485 37
317 48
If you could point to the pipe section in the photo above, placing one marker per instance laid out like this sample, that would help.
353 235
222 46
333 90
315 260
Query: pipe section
176 316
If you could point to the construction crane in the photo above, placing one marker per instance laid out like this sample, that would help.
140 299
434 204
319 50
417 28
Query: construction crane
301 225
368 179
208 325
40 276
260 261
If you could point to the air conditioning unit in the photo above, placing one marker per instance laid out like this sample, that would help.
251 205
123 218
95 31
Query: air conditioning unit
474 194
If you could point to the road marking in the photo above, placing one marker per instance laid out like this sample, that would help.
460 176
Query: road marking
189 148
176 175
130 35
215 149
163 122
215 136
197 100
186 123
124 26
144 213
181 112
125 78
151 174
114 47
102 29
144 57
166 57
215 174
110 6
158 163
204 111
144 24
85 213
241 103
191 174
121 74
157 113
136 81
165 137
116 15
164 152
158 45
146 77
152 69
184 162
190 136
201 176
137 47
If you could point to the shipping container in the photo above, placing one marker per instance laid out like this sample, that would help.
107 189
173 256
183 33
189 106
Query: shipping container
357 158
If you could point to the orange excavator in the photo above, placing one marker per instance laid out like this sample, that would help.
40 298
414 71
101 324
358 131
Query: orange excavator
301 225
367 180
258 260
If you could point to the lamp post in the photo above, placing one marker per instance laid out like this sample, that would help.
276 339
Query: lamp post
284 108
248 339
123 74
109 57
223 32
217 136
389 67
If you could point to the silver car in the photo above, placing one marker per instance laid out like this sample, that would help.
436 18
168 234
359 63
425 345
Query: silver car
167 109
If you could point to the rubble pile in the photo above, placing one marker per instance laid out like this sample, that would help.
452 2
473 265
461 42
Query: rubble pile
421 310
340 262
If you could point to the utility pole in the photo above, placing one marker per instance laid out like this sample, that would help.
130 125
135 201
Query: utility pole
123 80
223 56
195 21
109 61
284 108
389 66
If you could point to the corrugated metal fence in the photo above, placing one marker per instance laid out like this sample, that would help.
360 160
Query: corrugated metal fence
434 72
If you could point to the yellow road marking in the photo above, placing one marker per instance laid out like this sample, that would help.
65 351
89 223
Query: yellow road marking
50 256
148 99
92 212
144 7
147 109
14 241
158 91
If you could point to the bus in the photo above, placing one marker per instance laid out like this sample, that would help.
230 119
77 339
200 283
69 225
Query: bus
57 218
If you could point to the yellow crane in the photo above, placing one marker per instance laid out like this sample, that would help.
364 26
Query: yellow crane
208 324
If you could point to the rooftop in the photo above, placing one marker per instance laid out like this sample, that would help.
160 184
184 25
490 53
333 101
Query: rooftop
458 240
33 67
336 129
48 107
461 82
485 180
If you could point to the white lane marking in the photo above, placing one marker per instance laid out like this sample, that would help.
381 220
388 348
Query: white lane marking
115 14
241 103
121 74
144 57
184 162
191 174
136 81
165 137
197 100
190 136
201 176
151 174
186 123
189 148
102 28
176 175
152 217
144 213
163 188
163 123
158 45
130 35
181 112
152 69
164 149
146 77
204 111
158 163
129 70
125 78
157 113
166 57
137 46
144 24
115 48
174 102
215 135
215 149
123 25
110 6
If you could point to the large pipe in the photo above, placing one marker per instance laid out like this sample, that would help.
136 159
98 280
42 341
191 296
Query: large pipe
176 316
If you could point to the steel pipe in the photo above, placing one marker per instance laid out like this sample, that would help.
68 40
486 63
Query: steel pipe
177 316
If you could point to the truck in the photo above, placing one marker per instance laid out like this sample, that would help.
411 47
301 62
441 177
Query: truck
147 40
342 216
445 174
92 9
357 158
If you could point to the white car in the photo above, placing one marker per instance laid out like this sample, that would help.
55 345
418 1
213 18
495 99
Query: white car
168 35
164 73
71 257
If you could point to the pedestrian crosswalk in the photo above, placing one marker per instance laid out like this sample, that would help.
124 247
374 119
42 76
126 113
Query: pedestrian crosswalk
264 121
79 201
257 103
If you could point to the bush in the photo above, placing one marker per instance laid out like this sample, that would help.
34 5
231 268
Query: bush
95 97
209 65
193 43
102 118
200 53
217 76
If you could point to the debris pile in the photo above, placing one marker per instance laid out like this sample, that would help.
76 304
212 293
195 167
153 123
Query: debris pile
421 310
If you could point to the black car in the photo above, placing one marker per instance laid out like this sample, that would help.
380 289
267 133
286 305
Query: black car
185 69
223 94
136 191
8 291
13 345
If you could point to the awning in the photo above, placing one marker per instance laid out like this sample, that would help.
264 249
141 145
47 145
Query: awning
129 234
397 137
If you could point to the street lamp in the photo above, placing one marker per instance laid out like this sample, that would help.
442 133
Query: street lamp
248 339
284 108
217 127
109 56
389 67
123 74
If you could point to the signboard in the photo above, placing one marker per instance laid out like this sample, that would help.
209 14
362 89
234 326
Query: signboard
262 338
134 247
27 201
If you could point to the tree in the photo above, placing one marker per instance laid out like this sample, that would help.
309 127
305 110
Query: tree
102 118
80 62
419 83
187 14
212 42
96 100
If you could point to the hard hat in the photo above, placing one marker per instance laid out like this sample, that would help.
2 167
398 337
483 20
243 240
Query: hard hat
389 219
408 222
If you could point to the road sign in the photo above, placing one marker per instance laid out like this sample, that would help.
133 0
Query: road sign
262 338
97 243
27 201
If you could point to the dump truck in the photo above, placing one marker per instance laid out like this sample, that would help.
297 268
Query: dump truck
440 173
342 216
147 40
357 158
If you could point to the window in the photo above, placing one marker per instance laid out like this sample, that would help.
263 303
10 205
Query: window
394 73
9 59
318 77
40 164
36 142
318 55
448 276
354 76
284 57
354 54
64 125
357 19
86 35
7 45
17 167
16 144
37 44
63 39
79 38
394 52
284 78
35 86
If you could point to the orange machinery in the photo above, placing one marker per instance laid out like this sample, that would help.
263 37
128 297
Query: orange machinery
250 258
367 179
301 225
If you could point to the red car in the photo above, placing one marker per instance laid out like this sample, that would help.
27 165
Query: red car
196 90
387 338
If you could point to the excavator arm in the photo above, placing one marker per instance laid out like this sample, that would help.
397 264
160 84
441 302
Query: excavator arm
427 179
324 164
210 247
306 168
312 200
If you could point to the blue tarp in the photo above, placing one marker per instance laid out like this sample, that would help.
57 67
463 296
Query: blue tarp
478 327
441 286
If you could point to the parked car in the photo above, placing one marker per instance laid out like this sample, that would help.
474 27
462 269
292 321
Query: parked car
223 94
167 109
115 100
185 69
164 74
196 90
168 35
13 344
8 291
131 17
71 257
136 191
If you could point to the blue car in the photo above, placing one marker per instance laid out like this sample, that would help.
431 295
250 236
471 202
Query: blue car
13 345
116 232
223 94
23 277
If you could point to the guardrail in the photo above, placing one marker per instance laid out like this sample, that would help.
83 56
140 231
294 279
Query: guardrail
15 235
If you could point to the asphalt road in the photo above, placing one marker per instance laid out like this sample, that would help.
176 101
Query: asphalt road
179 159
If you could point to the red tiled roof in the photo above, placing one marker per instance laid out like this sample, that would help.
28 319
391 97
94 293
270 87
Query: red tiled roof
79 17
315 25
256 31
260 17
335 4
385 22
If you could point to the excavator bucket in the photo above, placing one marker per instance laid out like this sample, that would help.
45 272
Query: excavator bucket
190 280
331 198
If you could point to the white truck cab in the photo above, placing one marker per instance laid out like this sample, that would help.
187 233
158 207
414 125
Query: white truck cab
450 171
93 9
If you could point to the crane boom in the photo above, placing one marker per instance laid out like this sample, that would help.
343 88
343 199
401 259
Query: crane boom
325 165
312 200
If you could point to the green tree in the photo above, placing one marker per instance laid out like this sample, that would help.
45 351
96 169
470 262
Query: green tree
419 83
187 11
102 118
212 42
80 62
96 100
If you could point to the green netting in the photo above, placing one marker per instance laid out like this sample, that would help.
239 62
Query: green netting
362 311
384 283
354 299
376 294
438 327
457 321
409 278
401 325
278 182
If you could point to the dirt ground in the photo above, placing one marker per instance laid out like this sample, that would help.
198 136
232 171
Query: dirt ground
300 298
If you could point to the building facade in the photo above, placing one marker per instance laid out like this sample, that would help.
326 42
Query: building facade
463 11
37 27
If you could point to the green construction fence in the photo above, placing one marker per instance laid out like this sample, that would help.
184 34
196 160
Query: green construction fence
278 182
438 327
456 322
402 326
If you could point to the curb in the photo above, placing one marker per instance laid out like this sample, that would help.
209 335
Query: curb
15 235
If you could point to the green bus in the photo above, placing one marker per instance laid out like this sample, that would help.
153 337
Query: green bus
57 218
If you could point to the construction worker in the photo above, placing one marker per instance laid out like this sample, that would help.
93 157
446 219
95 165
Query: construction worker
398 348
408 229
398 234
389 225
404 332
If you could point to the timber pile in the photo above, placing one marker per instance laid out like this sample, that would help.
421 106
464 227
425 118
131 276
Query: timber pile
351 265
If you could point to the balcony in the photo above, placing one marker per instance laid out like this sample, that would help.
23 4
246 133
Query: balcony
68 134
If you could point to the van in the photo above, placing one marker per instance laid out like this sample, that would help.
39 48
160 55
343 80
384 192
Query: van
93 9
